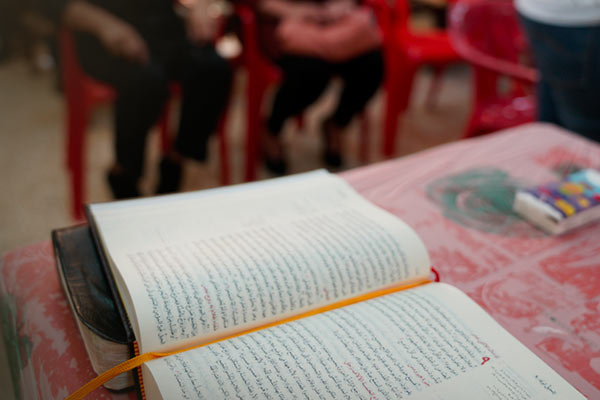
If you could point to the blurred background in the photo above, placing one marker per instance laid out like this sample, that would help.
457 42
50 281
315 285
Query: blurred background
37 189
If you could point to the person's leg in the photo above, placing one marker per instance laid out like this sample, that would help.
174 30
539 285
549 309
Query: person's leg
546 107
141 93
304 80
579 109
568 59
361 77
205 82
205 79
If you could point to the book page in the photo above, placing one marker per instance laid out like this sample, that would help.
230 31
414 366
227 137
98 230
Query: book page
208 264
430 342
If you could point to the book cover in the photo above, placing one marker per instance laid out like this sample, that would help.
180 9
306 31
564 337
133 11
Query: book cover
107 339
562 205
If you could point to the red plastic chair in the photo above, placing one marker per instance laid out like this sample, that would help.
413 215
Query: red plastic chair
261 74
407 51
488 35
82 95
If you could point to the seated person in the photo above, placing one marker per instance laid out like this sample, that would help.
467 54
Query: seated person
307 72
138 47
564 39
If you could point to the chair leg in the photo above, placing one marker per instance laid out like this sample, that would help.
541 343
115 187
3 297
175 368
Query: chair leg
474 126
76 123
398 87
434 88
165 128
224 150
78 187
255 94
364 137
390 123
300 122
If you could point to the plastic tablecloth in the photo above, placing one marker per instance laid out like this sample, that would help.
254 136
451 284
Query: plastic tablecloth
544 290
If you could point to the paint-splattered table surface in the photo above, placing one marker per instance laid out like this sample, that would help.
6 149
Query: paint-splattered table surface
544 290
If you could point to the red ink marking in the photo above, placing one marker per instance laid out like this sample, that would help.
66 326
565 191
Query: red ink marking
485 359
211 307
419 375
487 346
361 379
326 293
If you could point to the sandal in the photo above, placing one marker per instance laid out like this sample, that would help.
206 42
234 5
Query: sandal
170 176
122 185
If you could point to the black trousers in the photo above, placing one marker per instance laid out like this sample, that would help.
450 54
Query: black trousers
305 79
142 90
568 60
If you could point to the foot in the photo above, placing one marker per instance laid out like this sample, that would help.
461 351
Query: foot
122 185
273 155
170 176
332 135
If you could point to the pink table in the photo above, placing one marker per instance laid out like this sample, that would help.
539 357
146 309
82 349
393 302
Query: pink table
544 290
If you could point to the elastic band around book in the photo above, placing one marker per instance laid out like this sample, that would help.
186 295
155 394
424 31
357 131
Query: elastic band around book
138 360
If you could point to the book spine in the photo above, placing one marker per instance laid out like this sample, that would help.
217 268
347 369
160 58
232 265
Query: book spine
137 374
109 275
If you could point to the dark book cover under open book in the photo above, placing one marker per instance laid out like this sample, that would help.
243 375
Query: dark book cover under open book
97 309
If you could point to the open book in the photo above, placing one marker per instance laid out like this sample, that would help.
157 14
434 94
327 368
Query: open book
233 268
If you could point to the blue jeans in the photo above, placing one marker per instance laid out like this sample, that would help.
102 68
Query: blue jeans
568 59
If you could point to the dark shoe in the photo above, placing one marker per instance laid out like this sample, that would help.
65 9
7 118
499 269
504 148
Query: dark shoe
273 155
332 155
122 185
170 176
276 166
332 159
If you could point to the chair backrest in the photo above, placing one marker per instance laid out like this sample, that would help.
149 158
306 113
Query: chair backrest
488 34
252 56
400 11
71 73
